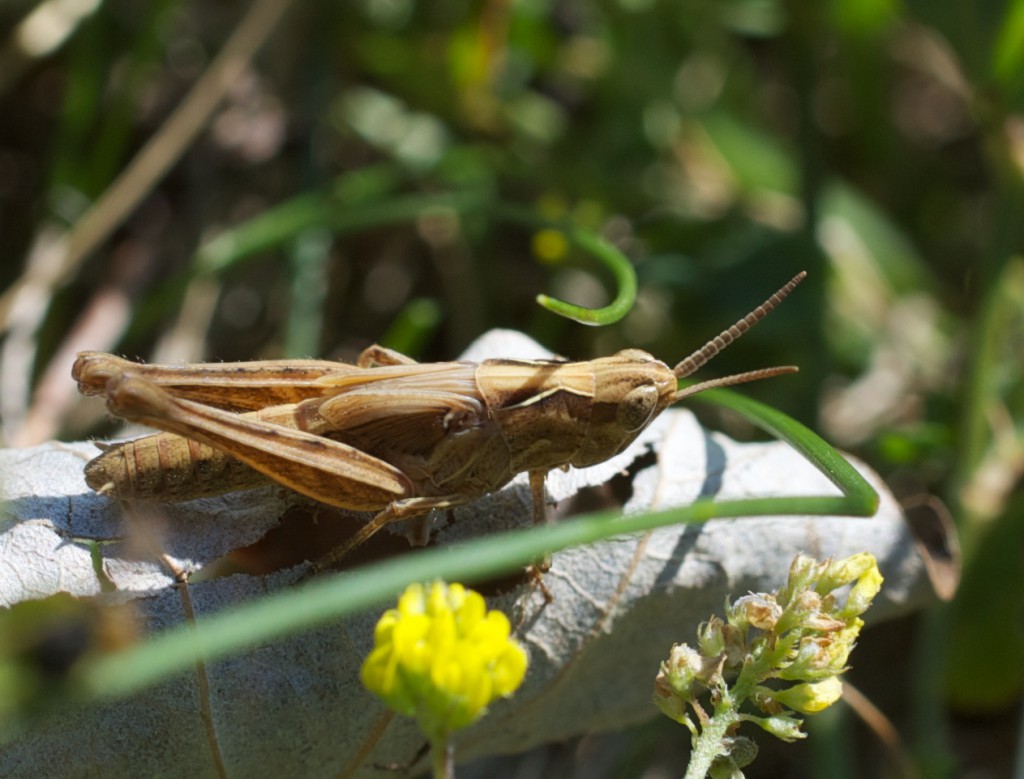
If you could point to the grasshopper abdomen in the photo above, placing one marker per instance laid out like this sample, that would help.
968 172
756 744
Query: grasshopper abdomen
168 467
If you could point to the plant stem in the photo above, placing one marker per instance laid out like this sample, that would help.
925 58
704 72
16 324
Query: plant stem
710 743
442 756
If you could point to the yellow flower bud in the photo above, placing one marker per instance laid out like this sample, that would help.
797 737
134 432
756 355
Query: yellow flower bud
779 725
864 591
810 697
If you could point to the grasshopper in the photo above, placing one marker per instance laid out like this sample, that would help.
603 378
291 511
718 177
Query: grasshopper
388 434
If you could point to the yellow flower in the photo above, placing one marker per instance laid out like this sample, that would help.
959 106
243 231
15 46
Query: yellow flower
442 658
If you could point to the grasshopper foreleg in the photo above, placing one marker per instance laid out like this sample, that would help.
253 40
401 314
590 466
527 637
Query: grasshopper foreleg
541 516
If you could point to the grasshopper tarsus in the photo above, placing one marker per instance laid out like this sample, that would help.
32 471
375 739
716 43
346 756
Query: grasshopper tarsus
535 572
388 434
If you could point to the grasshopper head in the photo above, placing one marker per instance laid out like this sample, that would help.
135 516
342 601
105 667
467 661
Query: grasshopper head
630 389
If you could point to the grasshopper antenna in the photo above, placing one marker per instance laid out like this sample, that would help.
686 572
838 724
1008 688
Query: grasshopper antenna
709 350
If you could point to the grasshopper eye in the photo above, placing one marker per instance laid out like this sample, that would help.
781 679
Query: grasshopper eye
636 408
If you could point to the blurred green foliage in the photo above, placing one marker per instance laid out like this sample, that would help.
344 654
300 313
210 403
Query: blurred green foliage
722 146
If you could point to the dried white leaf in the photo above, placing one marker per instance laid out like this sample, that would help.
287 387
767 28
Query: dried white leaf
296 706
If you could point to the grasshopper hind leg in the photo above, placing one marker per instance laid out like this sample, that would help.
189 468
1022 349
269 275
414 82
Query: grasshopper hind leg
318 467
407 508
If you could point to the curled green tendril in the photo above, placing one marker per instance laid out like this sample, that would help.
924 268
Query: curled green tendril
608 255
625 279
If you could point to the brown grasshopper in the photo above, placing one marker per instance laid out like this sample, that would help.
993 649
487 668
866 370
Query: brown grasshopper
387 434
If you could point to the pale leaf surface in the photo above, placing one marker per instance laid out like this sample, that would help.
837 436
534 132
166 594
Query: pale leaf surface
296 707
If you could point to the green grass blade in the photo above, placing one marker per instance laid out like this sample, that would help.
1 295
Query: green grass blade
859 498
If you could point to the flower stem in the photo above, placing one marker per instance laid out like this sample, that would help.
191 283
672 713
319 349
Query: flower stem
442 755
710 743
